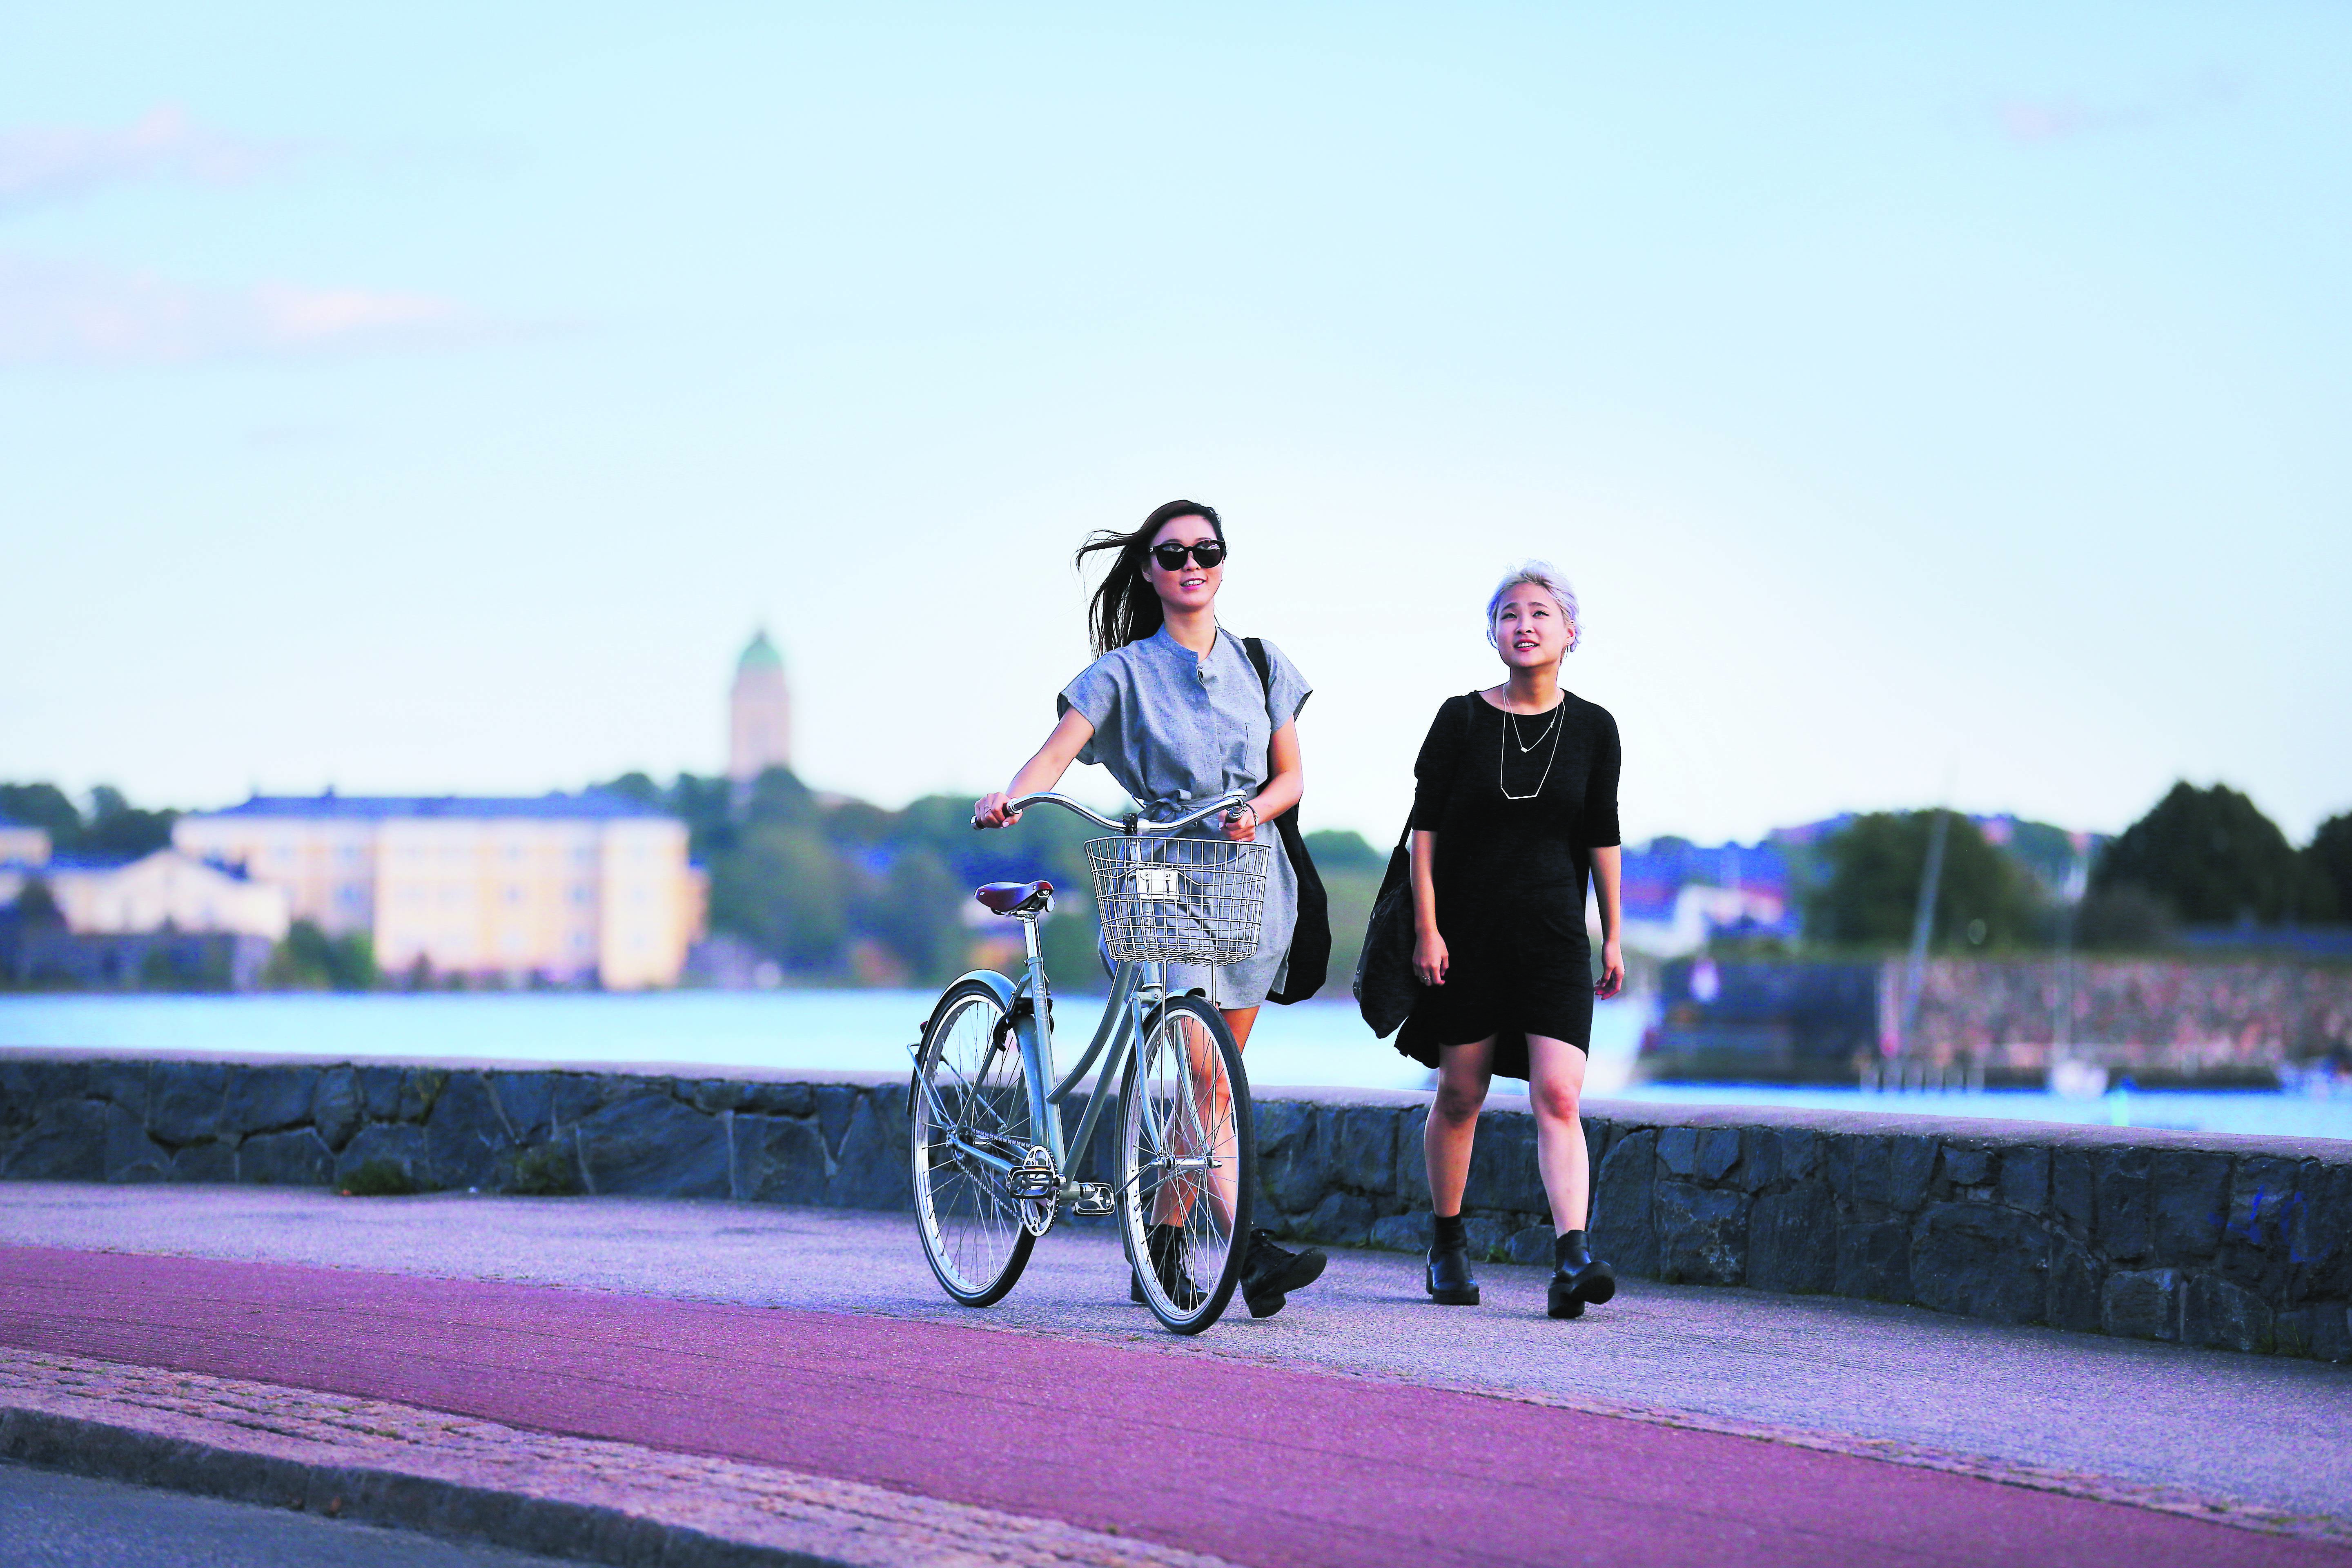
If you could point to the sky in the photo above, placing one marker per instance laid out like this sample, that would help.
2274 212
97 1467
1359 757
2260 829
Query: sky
1928 405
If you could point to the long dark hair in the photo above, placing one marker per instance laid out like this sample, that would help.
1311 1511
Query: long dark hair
1125 608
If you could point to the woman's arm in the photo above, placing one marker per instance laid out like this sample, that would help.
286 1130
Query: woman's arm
1279 792
1042 771
1433 782
1607 867
1429 956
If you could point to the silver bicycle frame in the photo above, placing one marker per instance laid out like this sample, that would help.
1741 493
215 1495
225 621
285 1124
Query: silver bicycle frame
1134 990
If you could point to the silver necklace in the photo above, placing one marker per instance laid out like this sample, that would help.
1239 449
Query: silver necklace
1502 755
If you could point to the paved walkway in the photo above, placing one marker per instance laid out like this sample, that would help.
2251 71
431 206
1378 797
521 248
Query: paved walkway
49 1519
762 1335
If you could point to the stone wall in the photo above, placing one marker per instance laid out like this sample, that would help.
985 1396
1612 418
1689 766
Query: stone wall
2238 1242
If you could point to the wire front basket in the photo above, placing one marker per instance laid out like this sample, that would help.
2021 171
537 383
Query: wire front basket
1172 901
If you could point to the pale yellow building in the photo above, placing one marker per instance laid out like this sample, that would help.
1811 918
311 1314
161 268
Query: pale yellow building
568 889
165 889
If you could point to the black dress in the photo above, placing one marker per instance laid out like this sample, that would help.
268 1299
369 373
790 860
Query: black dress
1518 803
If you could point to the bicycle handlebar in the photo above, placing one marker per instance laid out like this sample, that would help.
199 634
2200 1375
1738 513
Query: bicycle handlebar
1132 823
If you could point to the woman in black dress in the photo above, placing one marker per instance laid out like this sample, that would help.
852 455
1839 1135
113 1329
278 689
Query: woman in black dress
1515 809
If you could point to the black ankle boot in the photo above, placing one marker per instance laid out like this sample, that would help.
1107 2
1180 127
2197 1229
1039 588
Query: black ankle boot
1270 1273
1167 1256
1578 1277
1451 1283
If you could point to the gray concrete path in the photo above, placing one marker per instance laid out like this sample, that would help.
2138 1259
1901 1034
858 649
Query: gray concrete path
50 1520
2273 1433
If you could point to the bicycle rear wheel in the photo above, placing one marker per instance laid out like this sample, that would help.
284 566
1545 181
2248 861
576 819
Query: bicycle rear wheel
971 1093
1187 1164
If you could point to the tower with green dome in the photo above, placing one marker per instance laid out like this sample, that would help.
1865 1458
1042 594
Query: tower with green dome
759 713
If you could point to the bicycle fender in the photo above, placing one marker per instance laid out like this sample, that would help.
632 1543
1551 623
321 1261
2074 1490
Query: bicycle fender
1004 988
996 983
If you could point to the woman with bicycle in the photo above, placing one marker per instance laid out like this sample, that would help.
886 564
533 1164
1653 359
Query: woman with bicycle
1514 810
1173 708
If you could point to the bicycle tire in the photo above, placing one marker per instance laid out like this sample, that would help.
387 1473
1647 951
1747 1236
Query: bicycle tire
972 1227
1168 1099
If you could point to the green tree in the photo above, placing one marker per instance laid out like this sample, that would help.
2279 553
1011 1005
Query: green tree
45 807
310 960
785 891
2212 857
1340 850
1071 941
1866 894
2046 851
37 906
639 787
2328 868
118 827
779 796
915 913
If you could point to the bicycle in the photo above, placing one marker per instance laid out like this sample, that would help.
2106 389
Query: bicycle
991 1169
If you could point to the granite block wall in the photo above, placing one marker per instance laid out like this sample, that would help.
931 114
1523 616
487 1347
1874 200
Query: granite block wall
2235 1242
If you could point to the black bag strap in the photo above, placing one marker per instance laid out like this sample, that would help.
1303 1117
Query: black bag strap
1310 936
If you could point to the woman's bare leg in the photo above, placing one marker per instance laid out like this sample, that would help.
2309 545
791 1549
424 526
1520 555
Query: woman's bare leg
1556 1089
1240 1020
1206 1124
1463 1072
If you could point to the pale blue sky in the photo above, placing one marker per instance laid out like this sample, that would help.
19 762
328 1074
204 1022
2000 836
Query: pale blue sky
1919 401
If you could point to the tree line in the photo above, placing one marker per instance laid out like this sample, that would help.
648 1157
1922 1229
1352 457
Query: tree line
2199 857
818 883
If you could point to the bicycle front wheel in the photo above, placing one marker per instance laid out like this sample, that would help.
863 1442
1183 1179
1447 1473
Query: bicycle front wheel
1188 1163
970 1103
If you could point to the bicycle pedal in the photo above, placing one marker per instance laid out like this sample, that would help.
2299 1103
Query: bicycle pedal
1033 1182
1092 1199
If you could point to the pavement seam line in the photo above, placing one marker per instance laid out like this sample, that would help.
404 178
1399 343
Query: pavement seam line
461 1477
2090 1486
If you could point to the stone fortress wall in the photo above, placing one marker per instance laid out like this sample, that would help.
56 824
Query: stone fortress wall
2220 1240
2180 1017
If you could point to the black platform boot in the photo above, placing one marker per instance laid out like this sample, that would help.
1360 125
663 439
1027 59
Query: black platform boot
1270 1273
1578 1277
1451 1283
1169 1260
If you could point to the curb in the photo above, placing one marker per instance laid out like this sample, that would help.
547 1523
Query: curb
366 1495
433 1473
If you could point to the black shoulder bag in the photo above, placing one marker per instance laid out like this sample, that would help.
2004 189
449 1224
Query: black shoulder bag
1310 938
1386 987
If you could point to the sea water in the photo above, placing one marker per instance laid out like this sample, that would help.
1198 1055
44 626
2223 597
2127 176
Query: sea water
1321 1043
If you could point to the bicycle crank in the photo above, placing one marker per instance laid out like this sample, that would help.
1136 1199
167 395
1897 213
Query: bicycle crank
1037 1187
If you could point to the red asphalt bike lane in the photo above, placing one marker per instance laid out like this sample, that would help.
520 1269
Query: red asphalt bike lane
1260 1465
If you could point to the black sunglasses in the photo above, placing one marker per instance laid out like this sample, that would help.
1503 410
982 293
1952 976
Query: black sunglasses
1171 555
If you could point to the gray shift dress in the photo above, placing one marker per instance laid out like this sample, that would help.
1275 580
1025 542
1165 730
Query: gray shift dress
1175 730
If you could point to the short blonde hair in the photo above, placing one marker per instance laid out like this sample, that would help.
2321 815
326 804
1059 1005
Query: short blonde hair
1545 575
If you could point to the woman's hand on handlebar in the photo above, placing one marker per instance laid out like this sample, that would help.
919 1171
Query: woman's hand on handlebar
989 811
1241 824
